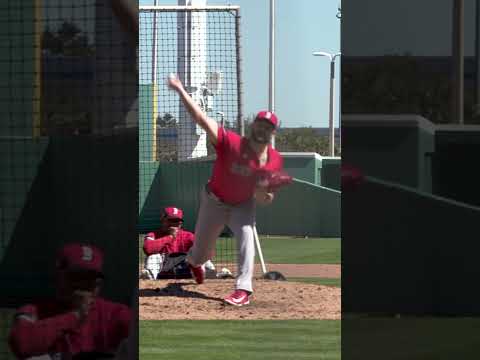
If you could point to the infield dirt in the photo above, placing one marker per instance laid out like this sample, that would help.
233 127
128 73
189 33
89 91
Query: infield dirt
280 300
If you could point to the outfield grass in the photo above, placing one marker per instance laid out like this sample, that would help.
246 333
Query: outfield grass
301 251
289 250
231 340
412 338
317 281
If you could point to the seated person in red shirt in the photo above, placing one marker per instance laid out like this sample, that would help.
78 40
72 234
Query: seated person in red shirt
166 248
77 323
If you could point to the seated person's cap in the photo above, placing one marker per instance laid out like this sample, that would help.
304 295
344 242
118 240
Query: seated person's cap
172 213
80 257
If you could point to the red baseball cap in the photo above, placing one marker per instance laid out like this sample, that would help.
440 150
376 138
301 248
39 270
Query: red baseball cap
173 213
267 116
77 256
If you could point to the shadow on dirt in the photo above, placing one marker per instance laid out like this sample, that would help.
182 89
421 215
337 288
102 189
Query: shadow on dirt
176 289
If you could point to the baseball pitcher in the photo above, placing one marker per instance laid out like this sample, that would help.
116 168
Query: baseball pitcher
239 181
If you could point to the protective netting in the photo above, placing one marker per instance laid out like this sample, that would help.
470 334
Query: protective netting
68 144
202 48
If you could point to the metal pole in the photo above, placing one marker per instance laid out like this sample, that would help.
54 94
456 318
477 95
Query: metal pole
154 85
259 249
339 16
37 91
458 56
3 236
240 120
271 87
330 115
173 8
331 127
154 47
477 57
339 112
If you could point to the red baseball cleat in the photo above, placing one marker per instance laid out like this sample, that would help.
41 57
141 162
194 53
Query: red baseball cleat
238 298
198 273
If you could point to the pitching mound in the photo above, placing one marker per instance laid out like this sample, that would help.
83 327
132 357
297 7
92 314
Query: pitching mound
278 300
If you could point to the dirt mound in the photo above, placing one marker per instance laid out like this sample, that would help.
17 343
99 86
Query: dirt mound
279 300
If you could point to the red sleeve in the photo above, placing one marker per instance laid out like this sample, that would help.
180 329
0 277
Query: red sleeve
190 238
183 242
278 162
221 139
31 337
225 138
155 246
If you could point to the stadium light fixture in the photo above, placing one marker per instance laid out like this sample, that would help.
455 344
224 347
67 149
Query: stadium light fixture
332 58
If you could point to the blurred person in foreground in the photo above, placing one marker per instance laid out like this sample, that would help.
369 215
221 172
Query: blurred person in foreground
76 323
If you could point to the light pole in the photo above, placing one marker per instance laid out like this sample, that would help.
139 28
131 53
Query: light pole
271 64
458 54
154 86
332 58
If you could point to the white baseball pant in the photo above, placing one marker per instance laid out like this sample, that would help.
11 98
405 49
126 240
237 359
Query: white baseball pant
212 217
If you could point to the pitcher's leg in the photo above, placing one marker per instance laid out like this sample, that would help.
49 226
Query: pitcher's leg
241 223
211 220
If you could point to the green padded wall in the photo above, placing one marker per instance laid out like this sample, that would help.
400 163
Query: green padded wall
300 209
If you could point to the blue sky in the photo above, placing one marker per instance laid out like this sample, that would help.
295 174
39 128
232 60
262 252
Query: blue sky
302 80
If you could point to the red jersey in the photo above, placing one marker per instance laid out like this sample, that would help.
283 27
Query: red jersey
157 242
52 328
235 172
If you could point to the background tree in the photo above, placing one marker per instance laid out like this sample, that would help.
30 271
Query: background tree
166 148
166 121
401 84
68 40
304 139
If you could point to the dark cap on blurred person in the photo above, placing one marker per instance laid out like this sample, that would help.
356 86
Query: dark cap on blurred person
80 257
172 213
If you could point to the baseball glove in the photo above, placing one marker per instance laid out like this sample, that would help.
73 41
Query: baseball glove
274 180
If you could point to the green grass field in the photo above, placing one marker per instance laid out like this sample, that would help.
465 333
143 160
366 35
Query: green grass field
289 250
317 281
411 338
252 340
231 340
